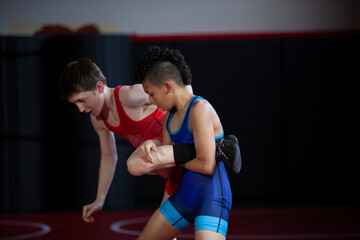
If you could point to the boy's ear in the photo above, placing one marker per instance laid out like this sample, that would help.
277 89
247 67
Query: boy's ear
169 86
100 86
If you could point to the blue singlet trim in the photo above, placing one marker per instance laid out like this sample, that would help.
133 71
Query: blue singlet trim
173 216
214 224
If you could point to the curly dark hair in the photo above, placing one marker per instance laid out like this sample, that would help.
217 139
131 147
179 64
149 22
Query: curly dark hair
161 64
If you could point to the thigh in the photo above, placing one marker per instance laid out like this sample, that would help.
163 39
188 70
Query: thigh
158 228
208 235
163 157
165 197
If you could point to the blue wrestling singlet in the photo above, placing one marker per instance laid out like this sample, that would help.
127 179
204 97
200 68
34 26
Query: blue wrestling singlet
203 199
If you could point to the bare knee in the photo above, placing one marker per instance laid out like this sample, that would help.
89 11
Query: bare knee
133 166
132 169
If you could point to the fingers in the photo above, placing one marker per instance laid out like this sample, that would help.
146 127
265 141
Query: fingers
89 220
144 152
149 157
87 212
143 156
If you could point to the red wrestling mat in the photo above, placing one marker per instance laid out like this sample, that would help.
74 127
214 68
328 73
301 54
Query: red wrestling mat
274 223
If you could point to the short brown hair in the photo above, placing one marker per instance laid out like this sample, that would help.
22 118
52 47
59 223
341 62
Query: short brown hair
79 76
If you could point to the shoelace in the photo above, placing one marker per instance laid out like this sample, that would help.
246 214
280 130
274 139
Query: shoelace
221 152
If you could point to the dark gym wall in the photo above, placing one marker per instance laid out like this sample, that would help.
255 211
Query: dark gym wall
292 103
50 153
75 171
321 111
23 148
241 79
247 99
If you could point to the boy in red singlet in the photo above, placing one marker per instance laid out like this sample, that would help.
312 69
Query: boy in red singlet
124 110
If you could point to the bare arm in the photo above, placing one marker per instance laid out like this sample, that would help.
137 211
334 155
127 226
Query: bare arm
202 124
107 163
106 172
134 96
189 88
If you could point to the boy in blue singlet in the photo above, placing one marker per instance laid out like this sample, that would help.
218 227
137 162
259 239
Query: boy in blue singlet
204 197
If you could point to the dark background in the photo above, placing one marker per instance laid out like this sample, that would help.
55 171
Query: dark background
293 103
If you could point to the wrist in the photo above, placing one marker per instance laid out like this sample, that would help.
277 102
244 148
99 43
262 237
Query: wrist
184 153
100 200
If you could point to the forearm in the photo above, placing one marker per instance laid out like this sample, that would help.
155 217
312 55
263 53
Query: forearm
201 166
185 154
106 175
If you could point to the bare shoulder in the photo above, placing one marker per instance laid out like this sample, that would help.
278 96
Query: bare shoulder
203 112
201 107
128 89
133 96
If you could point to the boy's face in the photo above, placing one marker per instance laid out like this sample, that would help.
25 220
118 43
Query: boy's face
157 95
87 102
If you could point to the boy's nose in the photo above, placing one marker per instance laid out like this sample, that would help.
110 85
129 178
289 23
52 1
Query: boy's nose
81 108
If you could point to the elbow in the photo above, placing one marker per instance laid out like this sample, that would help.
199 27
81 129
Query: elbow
209 169
109 160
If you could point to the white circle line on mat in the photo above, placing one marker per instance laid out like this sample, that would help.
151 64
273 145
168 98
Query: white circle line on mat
44 229
118 227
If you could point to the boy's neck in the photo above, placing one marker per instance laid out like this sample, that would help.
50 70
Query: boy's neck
109 100
183 100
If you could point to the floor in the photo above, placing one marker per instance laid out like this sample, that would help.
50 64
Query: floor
310 223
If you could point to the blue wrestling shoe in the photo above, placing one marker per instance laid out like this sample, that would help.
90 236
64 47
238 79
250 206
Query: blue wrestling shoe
228 151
